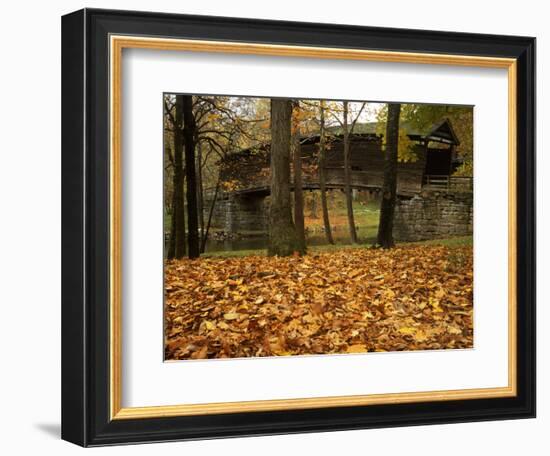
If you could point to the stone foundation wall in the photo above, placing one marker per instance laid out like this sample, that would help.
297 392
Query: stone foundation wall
430 215
234 214
433 216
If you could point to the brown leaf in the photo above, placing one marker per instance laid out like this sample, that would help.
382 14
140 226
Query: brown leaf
345 301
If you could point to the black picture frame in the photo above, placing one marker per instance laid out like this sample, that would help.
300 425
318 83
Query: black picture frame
85 225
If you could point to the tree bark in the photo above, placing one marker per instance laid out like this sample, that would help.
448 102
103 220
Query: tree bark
189 133
298 191
171 253
347 177
389 188
322 175
200 192
283 240
171 248
210 212
313 206
179 206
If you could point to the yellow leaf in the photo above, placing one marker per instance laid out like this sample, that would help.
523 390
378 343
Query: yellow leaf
435 305
420 336
390 294
209 325
407 330
282 352
454 330
231 316
201 354
356 348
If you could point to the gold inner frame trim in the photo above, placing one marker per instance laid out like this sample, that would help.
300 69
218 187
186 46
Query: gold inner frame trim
117 44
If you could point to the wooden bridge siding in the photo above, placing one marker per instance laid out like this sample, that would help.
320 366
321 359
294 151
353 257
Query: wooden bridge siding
411 174
248 171
367 162
364 155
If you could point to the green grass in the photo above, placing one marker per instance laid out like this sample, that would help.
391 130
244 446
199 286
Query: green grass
366 216
263 252
235 253
450 242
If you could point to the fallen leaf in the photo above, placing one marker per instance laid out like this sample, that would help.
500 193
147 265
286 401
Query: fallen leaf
356 348
344 301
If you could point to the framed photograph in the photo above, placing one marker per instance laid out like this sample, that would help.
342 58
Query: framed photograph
278 227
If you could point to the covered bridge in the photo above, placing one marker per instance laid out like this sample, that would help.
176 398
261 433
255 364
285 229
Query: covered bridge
246 172
434 161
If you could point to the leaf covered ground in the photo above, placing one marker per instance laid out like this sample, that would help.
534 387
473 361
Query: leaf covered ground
417 297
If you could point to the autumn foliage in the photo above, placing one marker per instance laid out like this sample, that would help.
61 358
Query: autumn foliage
349 301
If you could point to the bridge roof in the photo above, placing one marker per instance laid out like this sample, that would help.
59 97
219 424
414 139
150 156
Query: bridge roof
441 131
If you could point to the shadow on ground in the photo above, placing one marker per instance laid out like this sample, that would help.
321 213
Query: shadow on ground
51 429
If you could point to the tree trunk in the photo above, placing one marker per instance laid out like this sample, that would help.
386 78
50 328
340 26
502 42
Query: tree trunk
322 176
347 177
210 212
298 192
189 133
389 188
171 248
283 240
171 253
313 206
200 192
179 206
